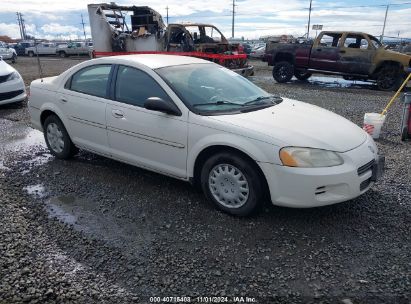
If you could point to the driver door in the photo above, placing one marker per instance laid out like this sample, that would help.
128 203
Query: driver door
143 137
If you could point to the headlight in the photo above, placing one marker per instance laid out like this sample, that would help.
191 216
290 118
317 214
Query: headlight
309 158
13 76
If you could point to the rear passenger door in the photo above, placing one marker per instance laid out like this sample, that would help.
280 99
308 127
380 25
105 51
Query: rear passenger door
357 53
84 101
146 138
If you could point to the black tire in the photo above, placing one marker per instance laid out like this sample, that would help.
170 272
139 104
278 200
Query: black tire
283 71
69 149
389 78
404 134
302 75
248 171
62 54
31 54
13 59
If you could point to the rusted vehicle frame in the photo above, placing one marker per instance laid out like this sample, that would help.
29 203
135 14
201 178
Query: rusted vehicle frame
148 34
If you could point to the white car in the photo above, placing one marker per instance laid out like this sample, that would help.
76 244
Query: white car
12 88
199 122
7 53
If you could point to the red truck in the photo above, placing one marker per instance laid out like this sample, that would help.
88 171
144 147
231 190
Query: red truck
354 55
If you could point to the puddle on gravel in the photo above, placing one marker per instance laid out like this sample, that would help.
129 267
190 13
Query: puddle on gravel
85 216
36 162
61 214
37 191
25 141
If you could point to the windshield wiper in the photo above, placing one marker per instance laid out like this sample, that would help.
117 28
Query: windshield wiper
217 103
258 100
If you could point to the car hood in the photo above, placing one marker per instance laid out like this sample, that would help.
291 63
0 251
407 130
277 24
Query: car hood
5 68
295 123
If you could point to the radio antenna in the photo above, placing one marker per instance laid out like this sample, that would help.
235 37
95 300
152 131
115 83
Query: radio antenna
39 64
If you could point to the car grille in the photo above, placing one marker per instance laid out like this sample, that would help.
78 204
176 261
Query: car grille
4 78
9 95
363 169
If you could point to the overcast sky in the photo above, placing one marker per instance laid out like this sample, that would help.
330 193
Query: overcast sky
254 18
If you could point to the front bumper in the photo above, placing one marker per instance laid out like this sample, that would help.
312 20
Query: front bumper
12 91
246 71
314 187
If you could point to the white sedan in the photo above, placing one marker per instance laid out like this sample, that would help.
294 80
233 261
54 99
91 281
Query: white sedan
199 122
12 88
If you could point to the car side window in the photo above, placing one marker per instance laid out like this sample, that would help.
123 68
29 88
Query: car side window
330 40
356 42
134 87
91 80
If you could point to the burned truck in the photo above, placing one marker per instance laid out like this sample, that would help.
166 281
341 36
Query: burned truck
120 30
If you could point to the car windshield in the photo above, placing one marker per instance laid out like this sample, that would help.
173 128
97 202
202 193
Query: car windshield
210 89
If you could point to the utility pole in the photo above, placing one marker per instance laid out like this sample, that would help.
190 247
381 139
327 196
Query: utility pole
309 19
167 13
23 26
18 20
232 26
385 22
84 30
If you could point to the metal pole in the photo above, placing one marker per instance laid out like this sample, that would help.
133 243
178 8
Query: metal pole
18 20
385 22
232 26
84 30
309 18
23 26
167 14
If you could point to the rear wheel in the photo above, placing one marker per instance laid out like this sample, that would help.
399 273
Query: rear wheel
302 74
57 139
283 71
389 78
14 58
232 183
62 54
31 54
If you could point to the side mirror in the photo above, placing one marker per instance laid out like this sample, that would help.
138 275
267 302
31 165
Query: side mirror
160 105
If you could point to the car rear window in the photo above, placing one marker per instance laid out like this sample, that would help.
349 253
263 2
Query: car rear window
91 80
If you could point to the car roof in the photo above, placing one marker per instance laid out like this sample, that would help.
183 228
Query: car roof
153 61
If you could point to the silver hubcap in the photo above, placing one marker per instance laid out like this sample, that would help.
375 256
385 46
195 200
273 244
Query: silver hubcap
55 138
228 186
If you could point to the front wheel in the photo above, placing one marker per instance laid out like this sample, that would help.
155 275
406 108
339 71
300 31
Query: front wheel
57 139
63 54
14 58
232 183
283 71
31 54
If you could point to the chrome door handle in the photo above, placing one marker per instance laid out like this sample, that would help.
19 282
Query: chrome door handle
117 113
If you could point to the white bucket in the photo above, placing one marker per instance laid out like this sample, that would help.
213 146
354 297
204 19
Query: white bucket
373 123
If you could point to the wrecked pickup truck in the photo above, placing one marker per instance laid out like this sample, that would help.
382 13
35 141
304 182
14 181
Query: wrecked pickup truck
146 33
354 55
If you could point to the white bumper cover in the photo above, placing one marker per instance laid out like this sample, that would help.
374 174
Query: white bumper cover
313 187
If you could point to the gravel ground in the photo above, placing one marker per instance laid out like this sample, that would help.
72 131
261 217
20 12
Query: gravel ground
98 231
